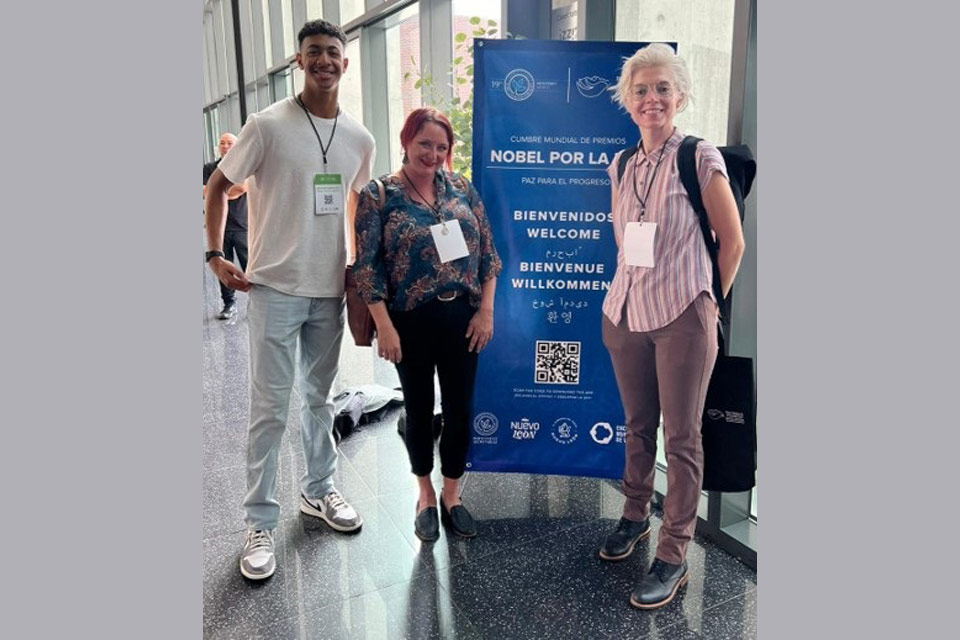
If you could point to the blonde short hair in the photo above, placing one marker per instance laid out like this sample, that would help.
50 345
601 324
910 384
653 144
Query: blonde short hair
653 55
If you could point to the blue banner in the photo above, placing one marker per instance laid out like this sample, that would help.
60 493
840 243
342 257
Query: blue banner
545 129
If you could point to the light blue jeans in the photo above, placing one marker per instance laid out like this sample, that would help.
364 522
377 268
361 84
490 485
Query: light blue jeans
276 321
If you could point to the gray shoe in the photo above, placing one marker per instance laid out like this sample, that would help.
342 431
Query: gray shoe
333 509
229 310
257 561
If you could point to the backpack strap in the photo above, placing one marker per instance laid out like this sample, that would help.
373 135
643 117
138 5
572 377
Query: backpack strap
625 156
687 167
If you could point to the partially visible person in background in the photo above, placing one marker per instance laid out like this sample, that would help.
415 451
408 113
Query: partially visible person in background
235 233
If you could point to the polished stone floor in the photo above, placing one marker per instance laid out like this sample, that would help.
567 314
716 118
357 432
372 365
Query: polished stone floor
533 571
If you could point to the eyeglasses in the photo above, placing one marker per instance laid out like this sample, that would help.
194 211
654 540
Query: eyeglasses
662 89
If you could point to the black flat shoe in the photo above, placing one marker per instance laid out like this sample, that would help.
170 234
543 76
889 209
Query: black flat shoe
660 584
426 526
458 519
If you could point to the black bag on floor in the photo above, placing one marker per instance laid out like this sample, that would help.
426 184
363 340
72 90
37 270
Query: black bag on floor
730 426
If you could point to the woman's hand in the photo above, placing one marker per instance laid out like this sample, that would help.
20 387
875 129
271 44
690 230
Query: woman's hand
388 340
388 343
480 329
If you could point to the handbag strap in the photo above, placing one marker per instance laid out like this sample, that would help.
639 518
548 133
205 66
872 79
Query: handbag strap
383 195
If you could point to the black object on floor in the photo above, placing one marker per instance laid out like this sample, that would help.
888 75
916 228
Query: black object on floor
363 405
437 425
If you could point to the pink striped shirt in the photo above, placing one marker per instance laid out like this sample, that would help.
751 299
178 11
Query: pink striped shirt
655 297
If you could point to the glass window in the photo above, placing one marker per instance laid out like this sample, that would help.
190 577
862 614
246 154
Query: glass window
215 125
253 106
351 9
314 9
351 87
286 11
264 92
211 129
403 61
703 32
281 84
563 20
297 80
267 41
470 20
207 138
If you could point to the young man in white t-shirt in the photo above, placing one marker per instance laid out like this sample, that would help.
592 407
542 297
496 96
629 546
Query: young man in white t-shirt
308 161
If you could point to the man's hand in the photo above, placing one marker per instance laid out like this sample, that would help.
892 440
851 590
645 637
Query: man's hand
229 274
237 190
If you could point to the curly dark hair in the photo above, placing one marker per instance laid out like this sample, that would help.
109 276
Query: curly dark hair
321 27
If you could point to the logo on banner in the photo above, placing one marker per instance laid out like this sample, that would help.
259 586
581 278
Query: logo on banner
485 424
518 85
734 417
564 431
602 433
524 430
592 86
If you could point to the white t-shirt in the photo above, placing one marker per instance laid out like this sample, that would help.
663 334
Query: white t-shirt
292 249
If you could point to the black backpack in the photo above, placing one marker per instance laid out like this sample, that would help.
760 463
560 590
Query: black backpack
741 168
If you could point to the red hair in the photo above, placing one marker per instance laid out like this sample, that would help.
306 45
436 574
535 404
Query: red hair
418 119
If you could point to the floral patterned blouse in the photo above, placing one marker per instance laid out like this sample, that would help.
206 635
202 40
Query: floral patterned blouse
397 260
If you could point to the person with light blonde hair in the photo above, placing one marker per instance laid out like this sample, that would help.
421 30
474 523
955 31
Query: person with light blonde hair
660 316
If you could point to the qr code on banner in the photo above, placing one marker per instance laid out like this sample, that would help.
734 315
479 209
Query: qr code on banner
557 362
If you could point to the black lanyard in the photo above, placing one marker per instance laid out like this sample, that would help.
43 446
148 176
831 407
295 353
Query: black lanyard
436 205
317 133
646 188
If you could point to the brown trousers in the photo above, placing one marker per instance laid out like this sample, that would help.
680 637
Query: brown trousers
667 369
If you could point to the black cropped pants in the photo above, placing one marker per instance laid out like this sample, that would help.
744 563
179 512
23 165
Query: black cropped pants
432 338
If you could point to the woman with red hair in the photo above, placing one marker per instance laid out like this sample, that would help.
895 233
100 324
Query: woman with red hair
427 268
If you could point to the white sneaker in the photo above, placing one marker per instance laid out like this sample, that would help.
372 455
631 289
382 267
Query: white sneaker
257 561
333 509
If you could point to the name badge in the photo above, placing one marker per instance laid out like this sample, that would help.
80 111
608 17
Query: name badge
449 240
327 194
638 244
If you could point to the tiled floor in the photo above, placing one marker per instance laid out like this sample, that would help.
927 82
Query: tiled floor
533 571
